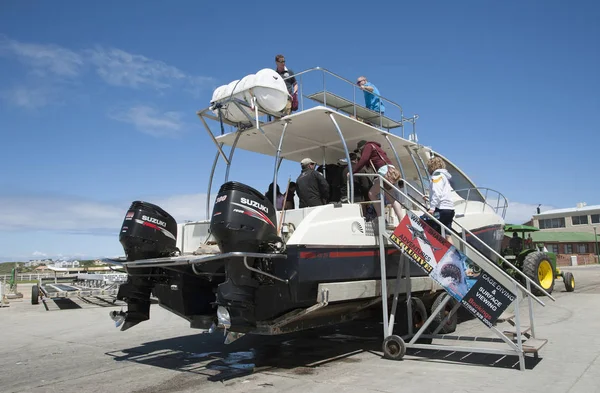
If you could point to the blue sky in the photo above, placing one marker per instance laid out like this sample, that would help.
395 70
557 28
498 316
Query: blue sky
98 100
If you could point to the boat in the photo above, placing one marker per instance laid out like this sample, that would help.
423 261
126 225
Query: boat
249 268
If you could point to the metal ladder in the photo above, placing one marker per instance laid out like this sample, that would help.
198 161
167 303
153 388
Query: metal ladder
522 339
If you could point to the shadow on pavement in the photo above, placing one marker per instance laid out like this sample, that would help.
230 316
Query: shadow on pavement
299 353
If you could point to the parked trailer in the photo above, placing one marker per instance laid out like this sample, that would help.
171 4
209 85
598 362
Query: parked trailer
82 285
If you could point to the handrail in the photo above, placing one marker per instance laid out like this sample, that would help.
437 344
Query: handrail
504 206
354 86
472 248
482 242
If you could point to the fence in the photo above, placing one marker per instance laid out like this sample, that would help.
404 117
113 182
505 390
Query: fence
27 276
582 259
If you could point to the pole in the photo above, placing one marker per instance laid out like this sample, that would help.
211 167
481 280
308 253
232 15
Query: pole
596 242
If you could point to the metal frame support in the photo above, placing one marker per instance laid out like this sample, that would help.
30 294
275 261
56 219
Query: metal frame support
515 347
350 174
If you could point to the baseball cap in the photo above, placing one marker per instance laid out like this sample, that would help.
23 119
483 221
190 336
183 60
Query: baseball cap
306 161
361 144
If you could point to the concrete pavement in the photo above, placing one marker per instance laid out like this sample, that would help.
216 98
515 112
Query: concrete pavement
79 350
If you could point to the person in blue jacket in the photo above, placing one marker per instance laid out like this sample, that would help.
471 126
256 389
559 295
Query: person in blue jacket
372 98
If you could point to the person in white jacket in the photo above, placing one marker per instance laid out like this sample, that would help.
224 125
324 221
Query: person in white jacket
441 205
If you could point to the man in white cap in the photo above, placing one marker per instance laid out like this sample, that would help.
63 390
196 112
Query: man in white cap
311 186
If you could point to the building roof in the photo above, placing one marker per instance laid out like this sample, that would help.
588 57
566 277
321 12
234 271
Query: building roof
562 237
520 228
568 210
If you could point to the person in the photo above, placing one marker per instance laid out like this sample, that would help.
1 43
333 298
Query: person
279 198
362 184
290 82
311 185
371 152
372 97
290 204
440 201
529 242
516 243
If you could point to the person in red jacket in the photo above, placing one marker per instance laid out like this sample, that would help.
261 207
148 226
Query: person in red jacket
372 155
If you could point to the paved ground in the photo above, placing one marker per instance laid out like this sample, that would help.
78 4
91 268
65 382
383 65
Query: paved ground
79 350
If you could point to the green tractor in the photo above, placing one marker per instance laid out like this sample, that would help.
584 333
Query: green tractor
536 262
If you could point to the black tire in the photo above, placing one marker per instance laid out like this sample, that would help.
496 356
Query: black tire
419 316
394 347
450 325
569 281
533 265
35 294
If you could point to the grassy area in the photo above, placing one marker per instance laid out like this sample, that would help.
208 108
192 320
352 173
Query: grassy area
6 267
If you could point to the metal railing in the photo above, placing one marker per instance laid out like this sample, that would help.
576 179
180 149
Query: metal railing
463 241
311 83
484 192
27 276
393 110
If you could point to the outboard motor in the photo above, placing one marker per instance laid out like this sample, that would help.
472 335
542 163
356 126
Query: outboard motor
147 232
243 220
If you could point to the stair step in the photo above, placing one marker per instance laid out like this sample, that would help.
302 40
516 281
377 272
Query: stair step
505 316
533 345
513 331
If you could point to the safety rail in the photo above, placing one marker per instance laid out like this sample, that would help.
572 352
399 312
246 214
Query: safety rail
353 104
501 201
323 87
395 346
463 240
485 245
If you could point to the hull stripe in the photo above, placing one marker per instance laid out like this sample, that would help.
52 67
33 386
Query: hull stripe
344 254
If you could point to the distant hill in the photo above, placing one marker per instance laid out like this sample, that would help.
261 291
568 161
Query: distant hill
6 267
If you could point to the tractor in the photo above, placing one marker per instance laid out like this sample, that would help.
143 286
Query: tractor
534 261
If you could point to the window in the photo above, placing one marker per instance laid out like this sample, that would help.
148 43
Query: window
579 220
568 249
549 223
595 218
582 248
552 248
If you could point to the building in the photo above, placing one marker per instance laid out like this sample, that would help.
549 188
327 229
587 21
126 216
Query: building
582 218
569 232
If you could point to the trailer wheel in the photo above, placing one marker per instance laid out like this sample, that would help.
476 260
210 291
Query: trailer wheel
35 294
569 281
394 347
537 266
450 325
419 317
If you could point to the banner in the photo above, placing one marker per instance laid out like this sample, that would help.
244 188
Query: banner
474 288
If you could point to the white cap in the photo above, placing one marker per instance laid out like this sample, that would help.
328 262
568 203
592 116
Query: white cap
306 161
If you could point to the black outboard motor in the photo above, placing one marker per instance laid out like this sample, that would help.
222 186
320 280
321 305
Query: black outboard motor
147 232
243 220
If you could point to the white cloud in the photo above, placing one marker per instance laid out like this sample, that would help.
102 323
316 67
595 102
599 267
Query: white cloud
29 98
77 215
121 68
150 121
519 213
39 254
114 66
44 58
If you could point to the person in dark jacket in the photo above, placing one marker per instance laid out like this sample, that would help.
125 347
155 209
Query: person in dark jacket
361 184
311 186
372 155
